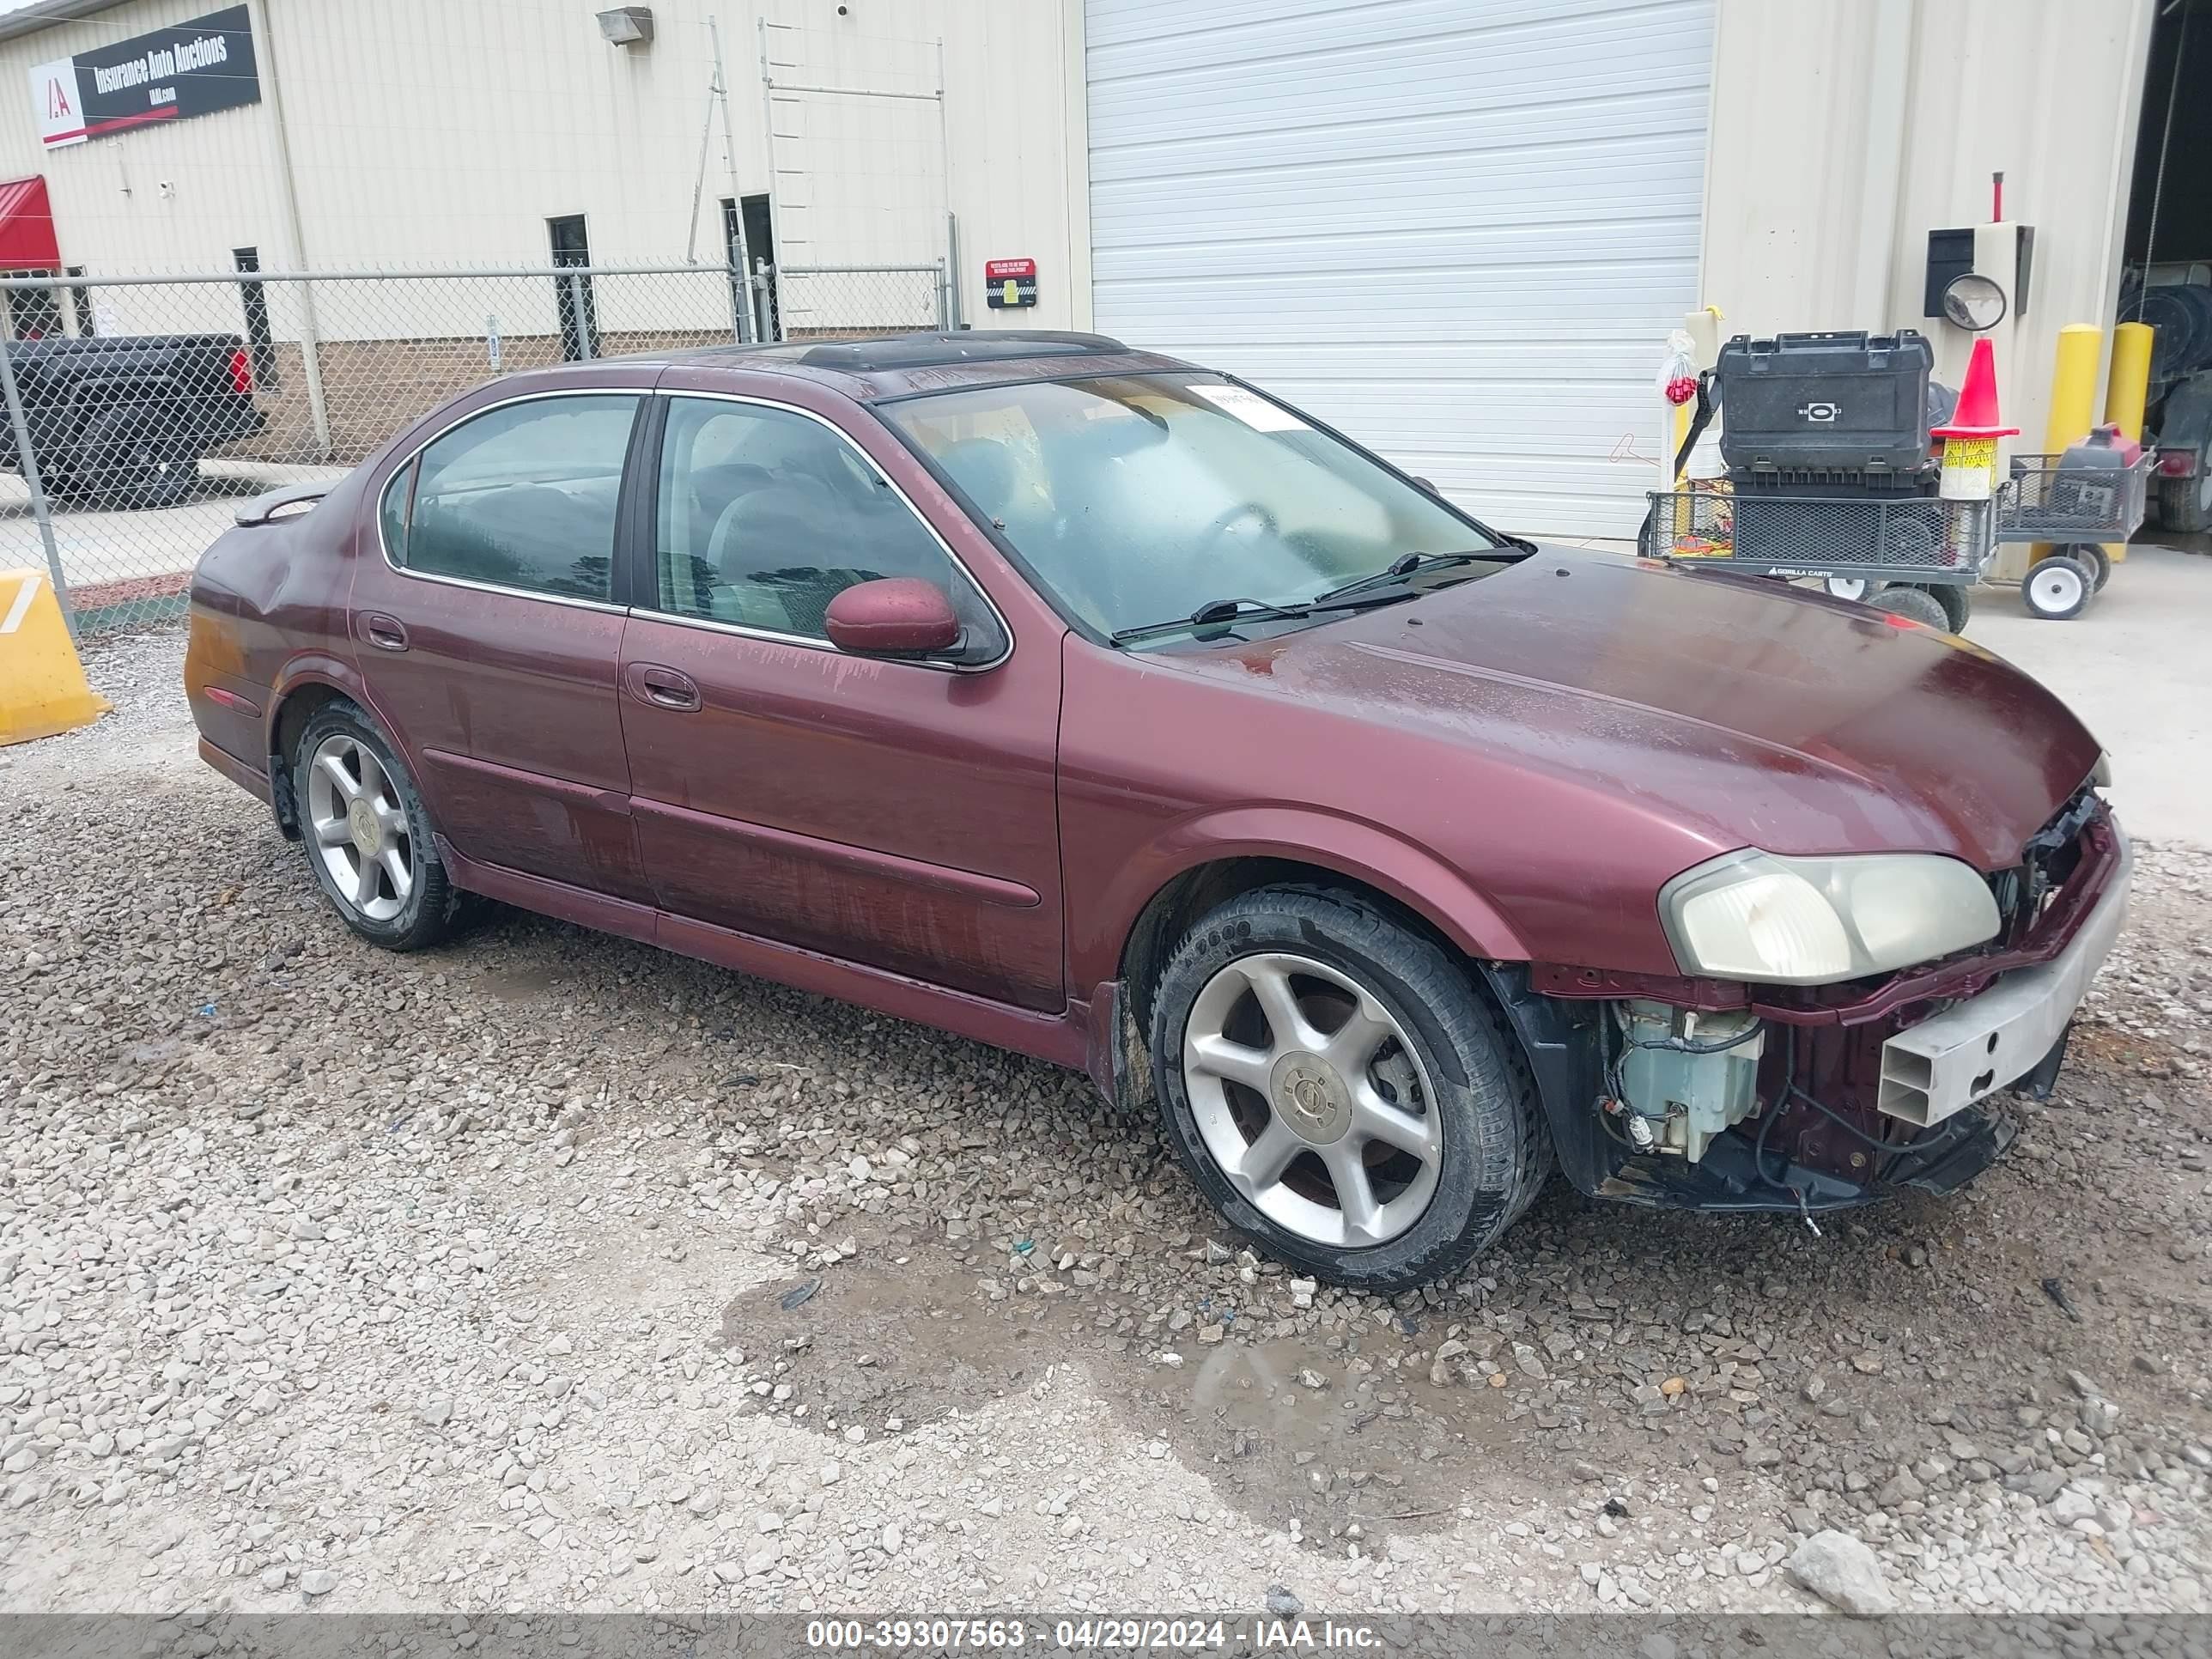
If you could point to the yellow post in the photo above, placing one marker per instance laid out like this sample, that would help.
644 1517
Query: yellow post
2127 388
42 684
2073 397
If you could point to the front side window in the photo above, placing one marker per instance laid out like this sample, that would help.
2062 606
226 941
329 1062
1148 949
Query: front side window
521 496
765 516
1134 499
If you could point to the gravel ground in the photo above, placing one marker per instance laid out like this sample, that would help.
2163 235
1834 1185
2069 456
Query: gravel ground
552 1272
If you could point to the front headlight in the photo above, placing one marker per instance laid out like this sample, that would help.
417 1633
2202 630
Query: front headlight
1759 916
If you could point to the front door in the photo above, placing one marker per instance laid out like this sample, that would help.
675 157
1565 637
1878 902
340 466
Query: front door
489 636
892 813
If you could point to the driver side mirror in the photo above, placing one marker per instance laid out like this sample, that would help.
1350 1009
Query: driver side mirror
898 618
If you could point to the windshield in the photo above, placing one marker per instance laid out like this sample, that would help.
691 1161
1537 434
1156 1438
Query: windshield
1136 499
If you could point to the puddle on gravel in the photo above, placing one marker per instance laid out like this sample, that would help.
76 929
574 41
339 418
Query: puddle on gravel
1284 1428
520 982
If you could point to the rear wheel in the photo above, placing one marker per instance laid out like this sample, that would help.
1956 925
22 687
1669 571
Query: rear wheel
2091 557
1340 1089
1914 604
1850 588
1951 596
2057 588
124 462
2184 505
368 838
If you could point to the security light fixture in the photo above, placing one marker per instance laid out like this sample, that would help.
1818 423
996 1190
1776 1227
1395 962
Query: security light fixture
627 26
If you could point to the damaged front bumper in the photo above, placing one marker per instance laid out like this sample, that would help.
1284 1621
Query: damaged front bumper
1862 1089
1990 1042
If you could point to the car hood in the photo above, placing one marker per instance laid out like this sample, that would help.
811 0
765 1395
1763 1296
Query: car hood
1747 711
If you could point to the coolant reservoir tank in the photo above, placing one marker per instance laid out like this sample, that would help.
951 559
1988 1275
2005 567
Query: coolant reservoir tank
1689 1076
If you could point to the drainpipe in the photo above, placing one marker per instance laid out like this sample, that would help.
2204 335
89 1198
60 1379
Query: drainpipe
310 335
1890 25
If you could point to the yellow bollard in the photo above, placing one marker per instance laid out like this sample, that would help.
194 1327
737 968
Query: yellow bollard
2127 388
42 684
2072 398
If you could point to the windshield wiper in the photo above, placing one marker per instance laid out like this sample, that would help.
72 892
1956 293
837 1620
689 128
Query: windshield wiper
1212 611
1412 564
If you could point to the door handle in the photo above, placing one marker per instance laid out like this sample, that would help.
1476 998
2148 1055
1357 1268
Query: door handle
385 633
661 688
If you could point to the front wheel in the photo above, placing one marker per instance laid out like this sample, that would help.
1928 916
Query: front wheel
1850 588
1341 1092
2057 588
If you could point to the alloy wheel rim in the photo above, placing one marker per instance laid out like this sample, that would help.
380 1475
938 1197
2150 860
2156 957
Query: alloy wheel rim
359 830
2055 586
1312 1101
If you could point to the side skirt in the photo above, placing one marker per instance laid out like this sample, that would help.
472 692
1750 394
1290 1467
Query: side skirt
1062 1039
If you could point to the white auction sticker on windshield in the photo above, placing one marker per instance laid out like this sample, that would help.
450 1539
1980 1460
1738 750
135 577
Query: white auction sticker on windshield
1252 408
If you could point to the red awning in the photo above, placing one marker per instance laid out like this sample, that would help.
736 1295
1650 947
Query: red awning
27 226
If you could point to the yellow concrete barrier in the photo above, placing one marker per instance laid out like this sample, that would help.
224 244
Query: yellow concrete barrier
42 684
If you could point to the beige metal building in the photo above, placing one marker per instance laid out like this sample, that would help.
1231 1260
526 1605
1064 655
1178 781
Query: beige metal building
1460 229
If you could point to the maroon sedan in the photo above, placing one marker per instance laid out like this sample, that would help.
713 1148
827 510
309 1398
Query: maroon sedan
1097 706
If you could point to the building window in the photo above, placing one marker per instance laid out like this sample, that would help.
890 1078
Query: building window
580 324
81 303
259 340
32 312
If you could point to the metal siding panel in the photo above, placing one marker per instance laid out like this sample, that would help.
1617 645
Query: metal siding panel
1461 236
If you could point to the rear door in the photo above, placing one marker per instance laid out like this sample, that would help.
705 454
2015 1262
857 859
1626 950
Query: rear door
897 814
490 633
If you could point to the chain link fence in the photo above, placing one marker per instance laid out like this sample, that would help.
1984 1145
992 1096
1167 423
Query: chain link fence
141 410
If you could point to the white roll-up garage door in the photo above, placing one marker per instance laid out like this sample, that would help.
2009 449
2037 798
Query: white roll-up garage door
1458 231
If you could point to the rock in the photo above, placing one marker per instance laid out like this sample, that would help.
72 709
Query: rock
1843 1572
272 1578
1440 1365
1658 1645
1528 1360
1281 1604
2071 1505
318 1581
894 1539
1901 1488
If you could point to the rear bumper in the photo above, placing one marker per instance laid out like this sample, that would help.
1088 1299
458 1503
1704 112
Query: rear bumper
254 781
1990 1041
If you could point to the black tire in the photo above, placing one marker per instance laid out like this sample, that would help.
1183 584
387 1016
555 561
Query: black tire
1495 1151
2092 556
2057 588
2184 505
1915 605
1953 597
123 463
435 906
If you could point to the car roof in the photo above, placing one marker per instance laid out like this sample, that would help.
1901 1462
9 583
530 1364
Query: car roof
903 365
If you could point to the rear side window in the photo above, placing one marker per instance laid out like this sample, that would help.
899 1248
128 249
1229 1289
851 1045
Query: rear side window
522 497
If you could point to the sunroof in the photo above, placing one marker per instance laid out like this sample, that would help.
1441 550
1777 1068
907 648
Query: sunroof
933 350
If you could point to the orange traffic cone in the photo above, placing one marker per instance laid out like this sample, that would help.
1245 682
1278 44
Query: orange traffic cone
1970 437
